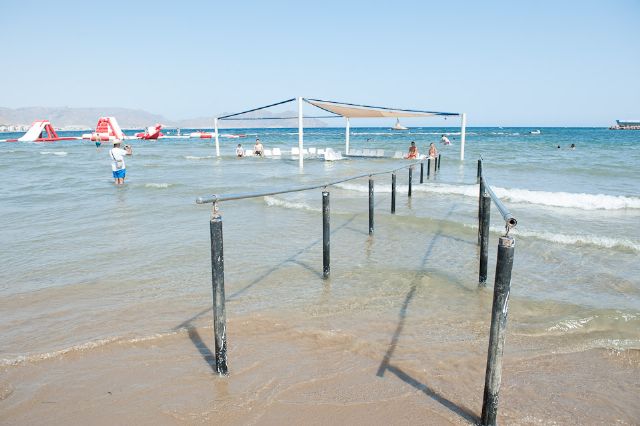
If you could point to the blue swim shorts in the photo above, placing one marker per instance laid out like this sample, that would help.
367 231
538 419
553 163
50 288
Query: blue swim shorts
119 174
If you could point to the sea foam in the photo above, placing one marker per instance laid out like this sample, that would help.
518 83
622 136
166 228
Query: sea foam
195 157
158 185
276 202
515 195
58 153
23 359
554 237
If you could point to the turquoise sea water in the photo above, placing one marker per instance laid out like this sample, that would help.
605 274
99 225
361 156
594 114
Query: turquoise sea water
85 262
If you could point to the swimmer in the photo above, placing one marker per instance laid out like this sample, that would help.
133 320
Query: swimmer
413 151
445 140
433 152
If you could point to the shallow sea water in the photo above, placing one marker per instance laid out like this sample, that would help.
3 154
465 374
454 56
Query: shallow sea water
90 269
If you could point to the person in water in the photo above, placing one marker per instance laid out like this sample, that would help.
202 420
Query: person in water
573 146
445 140
258 149
433 152
413 151
239 151
118 166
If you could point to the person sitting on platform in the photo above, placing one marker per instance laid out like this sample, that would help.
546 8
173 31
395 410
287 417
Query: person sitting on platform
413 151
239 151
433 152
258 149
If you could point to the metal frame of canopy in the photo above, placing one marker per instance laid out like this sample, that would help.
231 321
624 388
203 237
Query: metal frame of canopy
348 110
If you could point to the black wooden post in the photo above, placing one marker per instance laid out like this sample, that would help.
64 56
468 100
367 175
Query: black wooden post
421 172
501 288
326 235
370 205
410 179
484 237
428 167
480 195
393 193
217 283
479 171
439 161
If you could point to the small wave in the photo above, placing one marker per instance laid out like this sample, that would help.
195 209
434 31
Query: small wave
570 324
505 133
23 359
594 240
272 201
195 157
372 133
58 153
158 185
544 198
567 199
466 190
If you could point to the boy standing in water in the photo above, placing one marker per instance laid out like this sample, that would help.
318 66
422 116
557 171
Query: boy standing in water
117 165
258 149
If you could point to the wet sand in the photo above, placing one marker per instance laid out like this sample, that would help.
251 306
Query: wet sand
280 375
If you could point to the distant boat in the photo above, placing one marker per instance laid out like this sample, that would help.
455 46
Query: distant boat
626 125
534 132
399 126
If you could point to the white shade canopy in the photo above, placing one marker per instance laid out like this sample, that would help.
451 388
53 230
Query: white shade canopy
365 111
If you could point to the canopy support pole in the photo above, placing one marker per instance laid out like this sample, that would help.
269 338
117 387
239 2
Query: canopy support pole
300 133
346 137
463 133
215 128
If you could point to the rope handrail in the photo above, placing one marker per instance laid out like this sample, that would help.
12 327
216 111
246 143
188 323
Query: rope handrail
243 195
256 109
278 118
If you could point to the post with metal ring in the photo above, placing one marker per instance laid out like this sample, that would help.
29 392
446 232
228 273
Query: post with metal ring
370 205
501 289
217 284
393 193
326 235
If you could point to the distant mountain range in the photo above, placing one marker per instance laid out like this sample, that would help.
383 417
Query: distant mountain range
86 118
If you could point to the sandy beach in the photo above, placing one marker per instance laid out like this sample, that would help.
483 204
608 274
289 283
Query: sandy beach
111 321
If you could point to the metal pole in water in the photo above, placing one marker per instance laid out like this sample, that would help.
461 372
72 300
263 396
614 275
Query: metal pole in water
479 171
428 167
393 193
410 178
326 235
501 289
481 194
370 205
421 172
217 283
484 239
439 161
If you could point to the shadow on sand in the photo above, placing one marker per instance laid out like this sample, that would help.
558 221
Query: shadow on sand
386 365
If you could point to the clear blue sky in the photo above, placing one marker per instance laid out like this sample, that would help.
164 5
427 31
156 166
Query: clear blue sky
503 62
